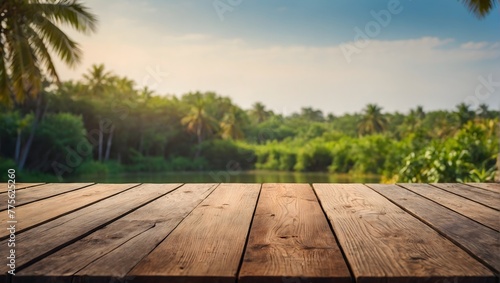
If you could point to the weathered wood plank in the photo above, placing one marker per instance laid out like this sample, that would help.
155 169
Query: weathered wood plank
38 212
208 245
19 186
478 239
115 249
27 185
478 195
383 243
51 236
290 238
478 212
494 187
42 192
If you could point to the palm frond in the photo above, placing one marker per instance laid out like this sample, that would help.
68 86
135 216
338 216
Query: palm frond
480 8
65 47
67 12
25 74
42 54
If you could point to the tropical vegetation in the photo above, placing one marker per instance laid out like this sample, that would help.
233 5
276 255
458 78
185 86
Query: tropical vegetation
104 124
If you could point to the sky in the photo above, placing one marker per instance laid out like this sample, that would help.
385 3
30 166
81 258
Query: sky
336 56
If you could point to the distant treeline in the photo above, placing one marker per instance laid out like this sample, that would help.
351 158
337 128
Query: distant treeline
103 124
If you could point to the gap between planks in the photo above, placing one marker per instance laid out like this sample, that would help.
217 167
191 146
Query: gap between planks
380 243
37 193
54 235
481 242
290 238
39 212
114 250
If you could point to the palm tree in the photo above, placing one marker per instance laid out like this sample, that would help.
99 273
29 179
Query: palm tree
308 113
97 79
419 112
414 119
259 112
483 111
199 122
480 8
230 126
464 114
373 121
28 30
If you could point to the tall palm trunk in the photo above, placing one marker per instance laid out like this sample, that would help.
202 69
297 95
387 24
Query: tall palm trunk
101 138
108 146
18 146
199 135
27 146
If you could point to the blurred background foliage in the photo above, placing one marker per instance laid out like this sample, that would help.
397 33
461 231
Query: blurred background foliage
104 125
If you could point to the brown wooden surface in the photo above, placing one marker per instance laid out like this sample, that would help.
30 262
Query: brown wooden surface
382 242
494 187
475 211
244 233
479 240
64 230
208 244
121 260
484 197
18 186
41 192
291 238
35 213
115 249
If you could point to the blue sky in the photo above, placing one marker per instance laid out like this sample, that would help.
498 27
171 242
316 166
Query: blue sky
333 55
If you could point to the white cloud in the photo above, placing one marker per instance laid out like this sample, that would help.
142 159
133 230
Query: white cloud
474 45
396 74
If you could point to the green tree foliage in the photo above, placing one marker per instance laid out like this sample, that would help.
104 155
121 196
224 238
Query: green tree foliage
28 30
259 112
373 121
124 128
467 157
30 35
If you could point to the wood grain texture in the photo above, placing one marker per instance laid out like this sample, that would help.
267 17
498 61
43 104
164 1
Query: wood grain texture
115 249
19 186
42 192
484 197
383 243
51 236
494 187
478 239
35 213
475 211
291 238
208 245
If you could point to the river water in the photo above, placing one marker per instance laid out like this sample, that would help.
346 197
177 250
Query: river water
228 177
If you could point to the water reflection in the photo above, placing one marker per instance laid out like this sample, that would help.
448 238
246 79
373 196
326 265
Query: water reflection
230 177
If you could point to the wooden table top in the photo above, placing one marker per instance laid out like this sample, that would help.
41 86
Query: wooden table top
85 232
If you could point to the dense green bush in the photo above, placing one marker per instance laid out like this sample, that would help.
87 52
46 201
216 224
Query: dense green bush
314 157
181 163
141 163
92 168
227 155
469 156
342 156
370 153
